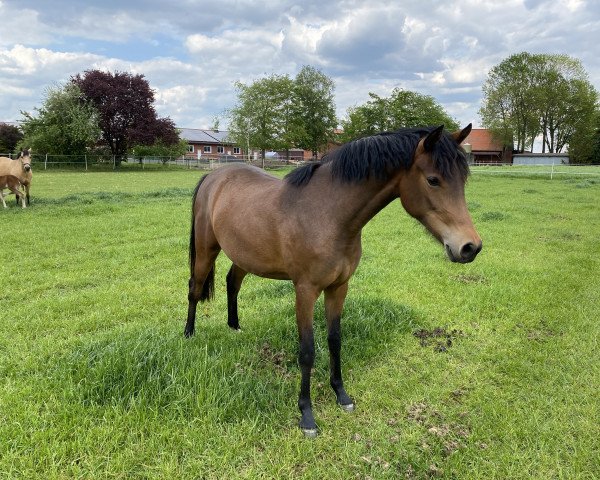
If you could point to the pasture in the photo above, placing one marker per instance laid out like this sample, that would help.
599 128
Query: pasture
485 370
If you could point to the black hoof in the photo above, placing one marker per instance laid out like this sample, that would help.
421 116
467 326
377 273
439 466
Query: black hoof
188 333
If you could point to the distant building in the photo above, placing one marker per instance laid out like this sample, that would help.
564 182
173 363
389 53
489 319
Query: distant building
541 159
484 148
209 143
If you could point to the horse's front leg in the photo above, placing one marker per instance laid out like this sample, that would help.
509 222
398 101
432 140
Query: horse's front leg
306 296
334 302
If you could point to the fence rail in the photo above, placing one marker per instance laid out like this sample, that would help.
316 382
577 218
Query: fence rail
551 171
107 162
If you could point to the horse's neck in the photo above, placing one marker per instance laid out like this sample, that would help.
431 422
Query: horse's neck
354 204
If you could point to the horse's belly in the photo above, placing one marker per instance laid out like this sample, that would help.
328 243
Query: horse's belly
253 262
254 250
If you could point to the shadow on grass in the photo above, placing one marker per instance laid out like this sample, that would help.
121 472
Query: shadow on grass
221 374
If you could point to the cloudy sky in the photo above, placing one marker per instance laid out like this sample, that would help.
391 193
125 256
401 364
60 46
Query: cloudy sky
192 51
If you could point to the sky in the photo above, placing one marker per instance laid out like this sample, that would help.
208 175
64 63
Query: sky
193 51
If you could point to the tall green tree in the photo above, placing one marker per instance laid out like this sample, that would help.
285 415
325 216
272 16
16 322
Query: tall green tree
63 124
401 109
531 95
314 109
126 113
261 118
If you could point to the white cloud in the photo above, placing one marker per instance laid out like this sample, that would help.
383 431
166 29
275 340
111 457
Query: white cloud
193 54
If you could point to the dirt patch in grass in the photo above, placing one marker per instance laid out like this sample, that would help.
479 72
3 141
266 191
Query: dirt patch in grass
450 436
275 359
470 278
439 338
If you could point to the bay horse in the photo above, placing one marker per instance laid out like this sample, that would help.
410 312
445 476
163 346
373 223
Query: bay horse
13 184
307 228
20 168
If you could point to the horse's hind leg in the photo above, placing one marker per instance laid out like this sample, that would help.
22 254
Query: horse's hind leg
2 198
234 282
201 284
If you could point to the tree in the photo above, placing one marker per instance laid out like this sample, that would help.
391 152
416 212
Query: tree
64 125
10 135
401 109
313 109
126 112
530 95
585 145
261 117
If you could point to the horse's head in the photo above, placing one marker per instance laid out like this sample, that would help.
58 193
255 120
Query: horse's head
25 159
433 191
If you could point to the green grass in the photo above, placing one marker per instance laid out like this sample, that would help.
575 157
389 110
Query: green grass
97 381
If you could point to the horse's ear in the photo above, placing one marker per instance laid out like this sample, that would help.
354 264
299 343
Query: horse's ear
460 135
432 138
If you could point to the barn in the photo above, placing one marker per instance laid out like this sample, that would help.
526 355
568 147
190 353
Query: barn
485 149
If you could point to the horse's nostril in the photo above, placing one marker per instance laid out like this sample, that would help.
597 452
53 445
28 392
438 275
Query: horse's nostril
469 251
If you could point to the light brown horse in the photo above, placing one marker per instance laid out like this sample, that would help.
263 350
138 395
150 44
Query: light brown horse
307 227
13 184
20 168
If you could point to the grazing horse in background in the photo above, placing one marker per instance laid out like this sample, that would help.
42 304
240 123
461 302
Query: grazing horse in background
13 184
20 168
307 227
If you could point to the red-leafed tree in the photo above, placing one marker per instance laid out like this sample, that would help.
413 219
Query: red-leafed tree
125 106
10 135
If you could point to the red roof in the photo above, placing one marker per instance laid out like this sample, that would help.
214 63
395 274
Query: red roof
481 140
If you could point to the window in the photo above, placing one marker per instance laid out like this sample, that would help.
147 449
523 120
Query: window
220 149
207 149
237 150
190 149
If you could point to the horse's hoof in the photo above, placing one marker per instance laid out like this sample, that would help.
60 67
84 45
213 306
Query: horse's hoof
309 432
348 407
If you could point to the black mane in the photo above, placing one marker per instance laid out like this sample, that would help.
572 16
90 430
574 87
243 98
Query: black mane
380 155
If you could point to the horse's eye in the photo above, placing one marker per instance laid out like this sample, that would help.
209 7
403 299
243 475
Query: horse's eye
433 181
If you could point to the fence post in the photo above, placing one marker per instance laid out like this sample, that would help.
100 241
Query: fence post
85 156
46 162
552 171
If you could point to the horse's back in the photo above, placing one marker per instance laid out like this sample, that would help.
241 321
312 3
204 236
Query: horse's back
8 166
5 165
241 204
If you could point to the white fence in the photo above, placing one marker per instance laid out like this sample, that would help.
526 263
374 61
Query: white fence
549 171
108 162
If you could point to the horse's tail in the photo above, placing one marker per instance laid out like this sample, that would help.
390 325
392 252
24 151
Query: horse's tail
208 289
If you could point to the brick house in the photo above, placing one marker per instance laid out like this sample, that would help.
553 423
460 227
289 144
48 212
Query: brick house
209 144
485 148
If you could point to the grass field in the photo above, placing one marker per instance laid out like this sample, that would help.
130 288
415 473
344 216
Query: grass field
487 370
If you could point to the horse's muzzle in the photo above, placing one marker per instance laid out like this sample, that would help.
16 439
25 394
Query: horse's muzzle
27 167
466 254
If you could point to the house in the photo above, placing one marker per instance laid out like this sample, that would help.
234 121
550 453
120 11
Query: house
209 144
484 148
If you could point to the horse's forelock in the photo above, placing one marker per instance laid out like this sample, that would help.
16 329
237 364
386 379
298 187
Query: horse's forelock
450 159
